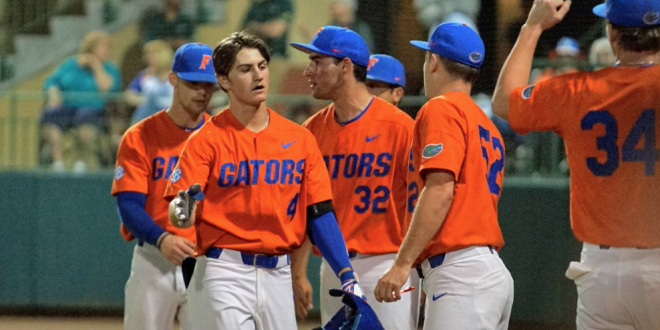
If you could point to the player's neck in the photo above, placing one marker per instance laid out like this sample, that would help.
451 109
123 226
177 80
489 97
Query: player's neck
452 86
253 118
626 58
351 102
184 119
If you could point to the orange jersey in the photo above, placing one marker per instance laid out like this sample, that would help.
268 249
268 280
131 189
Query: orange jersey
610 122
452 133
367 163
146 158
256 185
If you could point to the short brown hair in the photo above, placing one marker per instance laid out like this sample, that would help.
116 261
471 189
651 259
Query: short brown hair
224 54
359 71
459 70
638 39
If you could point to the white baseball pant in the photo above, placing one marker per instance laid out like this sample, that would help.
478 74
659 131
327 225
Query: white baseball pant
225 293
470 290
618 288
155 293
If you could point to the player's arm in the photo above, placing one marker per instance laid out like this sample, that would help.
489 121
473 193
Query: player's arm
323 231
130 206
136 219
432 207
302 288
187 183
516 70
130 186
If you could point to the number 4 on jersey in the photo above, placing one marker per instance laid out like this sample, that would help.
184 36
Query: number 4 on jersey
293 205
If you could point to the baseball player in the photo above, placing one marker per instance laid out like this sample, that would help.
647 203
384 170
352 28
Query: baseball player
610 122
147 155
457 166
386 78
264 186
365 142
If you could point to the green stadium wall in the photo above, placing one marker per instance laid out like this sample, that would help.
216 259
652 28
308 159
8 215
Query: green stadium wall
61 247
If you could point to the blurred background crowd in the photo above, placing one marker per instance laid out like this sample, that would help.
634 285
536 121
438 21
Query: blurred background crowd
75 74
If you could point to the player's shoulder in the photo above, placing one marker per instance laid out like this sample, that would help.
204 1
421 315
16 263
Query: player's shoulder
138 135
209 128
388 114
320 117
448 103
289 126
147 125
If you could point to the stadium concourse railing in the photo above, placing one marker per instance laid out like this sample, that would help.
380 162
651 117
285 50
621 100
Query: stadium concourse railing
535 154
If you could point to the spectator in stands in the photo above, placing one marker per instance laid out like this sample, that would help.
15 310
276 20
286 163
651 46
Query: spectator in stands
168 23
601 54
434 12
150 91
270 20
565 58
76 99
343 14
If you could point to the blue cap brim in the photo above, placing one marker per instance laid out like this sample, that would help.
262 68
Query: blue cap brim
197 77
389 81
600 11
420 44
308 48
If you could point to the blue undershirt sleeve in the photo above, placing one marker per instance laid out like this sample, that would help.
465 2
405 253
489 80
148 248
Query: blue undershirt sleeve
329 240
130 206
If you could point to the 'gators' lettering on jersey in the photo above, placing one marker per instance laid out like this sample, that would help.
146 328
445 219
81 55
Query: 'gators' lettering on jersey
273 171
452 133
249 180
367 162
146 159
610 122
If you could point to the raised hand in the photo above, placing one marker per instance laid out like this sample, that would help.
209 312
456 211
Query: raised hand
547 13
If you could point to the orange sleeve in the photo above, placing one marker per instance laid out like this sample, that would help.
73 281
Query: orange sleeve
317 180
194 164
441 138
540 107
132 169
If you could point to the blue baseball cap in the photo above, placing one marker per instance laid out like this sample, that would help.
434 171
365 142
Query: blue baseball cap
337 42
194 62
387 69
568 46
633 13
457 42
